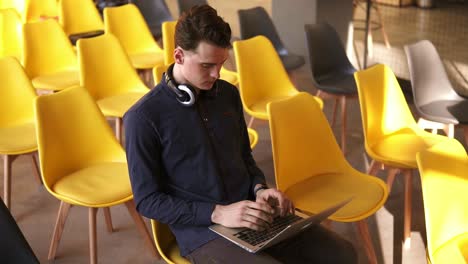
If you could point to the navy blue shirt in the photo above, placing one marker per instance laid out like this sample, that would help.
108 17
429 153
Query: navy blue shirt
184 160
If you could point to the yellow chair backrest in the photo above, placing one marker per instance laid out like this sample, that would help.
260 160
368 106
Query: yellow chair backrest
36 10
167 244
47 49
18 5
253 137
32 10
11 35
384 109
72 134
105 68
302 141
16 94
168 33
261 72
79 16
444 181
127 23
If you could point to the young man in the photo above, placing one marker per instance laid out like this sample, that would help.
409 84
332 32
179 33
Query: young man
190 160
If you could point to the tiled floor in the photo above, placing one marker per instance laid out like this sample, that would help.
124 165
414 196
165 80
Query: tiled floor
35 210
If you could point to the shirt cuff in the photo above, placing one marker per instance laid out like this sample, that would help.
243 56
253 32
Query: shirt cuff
203 213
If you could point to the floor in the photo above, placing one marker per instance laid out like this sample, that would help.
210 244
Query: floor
35 210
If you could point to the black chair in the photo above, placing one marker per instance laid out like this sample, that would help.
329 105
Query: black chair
13 246
185 5
155 13
332 72
101 4
435 100
256 21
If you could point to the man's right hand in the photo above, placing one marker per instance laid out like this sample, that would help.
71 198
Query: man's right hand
253 215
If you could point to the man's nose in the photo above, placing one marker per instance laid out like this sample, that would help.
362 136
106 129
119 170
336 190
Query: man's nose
215 72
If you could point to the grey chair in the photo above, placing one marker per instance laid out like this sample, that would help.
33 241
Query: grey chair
256 21
435 100
332 72
13 246
185 5
155 13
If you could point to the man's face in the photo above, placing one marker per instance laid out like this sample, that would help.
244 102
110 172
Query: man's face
200 67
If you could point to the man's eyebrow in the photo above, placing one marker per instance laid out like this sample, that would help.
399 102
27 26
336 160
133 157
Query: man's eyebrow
212 63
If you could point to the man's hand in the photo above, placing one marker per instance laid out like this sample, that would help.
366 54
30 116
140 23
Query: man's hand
253 215
277 200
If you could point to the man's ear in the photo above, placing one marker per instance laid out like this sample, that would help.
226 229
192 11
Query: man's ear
179 55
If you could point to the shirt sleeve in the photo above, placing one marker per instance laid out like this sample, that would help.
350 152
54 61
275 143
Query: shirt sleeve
256 175
149 180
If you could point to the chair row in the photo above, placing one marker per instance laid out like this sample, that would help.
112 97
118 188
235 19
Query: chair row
32 10
64 121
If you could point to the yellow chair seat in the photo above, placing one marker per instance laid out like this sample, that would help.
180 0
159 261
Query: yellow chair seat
455 251
259 108
146 60
117 105
57 81
80 187
398 149
319 192
18 139
229 76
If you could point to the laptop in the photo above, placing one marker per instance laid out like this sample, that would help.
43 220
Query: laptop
281 229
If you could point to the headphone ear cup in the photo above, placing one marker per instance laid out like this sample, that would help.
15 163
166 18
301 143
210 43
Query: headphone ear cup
189 93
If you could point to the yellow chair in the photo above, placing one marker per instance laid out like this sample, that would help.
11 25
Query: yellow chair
32 10
444 182
311 169
109 77
129 26
79 17
17 123
82 163
11 37
391 136
163 237
262 77
35 10
49 58
253 137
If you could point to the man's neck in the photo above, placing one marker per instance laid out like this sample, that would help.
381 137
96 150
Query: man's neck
179 77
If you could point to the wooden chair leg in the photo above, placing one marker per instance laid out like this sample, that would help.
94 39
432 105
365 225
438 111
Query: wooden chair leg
343 123
107 216
407 208
36 170
335 106
142 228
382 27
58 229
374 168
390 178
92 235
363 229
118 129
7 164
251 122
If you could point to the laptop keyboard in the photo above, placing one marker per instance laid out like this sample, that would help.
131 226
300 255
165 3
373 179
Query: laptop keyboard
256 237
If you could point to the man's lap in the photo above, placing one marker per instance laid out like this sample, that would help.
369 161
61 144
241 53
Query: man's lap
315 245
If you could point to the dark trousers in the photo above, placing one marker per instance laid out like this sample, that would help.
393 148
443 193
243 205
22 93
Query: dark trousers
315 245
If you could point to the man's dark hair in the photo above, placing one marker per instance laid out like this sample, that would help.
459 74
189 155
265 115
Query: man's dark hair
202 23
